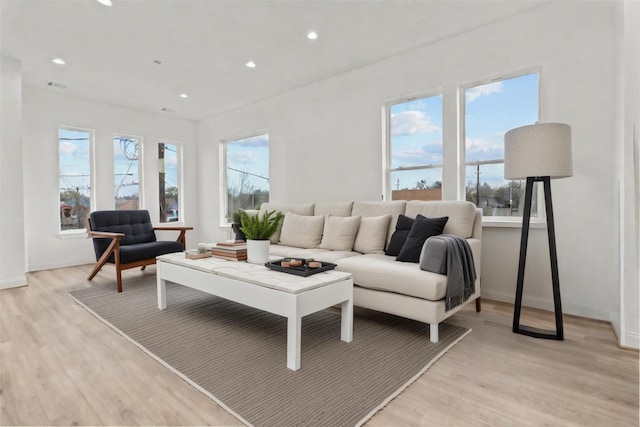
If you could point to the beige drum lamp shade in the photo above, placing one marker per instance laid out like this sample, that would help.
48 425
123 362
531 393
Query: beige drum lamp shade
543 149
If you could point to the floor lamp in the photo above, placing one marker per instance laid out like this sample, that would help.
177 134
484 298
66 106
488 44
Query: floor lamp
538 153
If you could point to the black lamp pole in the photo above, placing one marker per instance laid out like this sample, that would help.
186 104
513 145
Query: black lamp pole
553 255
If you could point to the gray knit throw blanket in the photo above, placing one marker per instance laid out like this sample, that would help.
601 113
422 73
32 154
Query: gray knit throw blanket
460 268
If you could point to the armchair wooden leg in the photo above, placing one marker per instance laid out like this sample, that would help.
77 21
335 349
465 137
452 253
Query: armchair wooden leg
103 259
118 270
478 305
143 267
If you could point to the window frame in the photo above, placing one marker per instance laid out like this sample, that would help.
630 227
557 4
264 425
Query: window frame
387 186
222 167
498 221
179 178
92 178
141 204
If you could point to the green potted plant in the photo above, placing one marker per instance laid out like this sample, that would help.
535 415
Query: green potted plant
236 225
258 229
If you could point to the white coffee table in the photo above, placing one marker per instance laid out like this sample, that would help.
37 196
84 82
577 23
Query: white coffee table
256 286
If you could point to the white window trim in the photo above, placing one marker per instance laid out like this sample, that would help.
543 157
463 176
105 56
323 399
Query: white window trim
79 232
539 220
141 204
386 139
180 178
222 167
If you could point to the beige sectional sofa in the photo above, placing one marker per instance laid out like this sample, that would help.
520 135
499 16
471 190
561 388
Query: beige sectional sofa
354 235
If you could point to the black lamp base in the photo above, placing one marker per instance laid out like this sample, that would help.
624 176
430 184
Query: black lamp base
558 334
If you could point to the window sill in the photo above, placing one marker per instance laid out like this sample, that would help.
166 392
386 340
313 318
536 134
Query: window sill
72 234
492 222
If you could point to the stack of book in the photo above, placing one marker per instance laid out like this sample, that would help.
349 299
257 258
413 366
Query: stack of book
233 250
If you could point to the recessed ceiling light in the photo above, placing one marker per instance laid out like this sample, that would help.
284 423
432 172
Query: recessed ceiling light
58 61
105 2
312 35
184 95
251 64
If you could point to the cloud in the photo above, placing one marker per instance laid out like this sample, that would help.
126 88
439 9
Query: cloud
478 91
70 149
412 122
481 149
246 156
254 141
419 156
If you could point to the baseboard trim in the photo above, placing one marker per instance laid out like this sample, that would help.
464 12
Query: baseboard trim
14 282
547 304
631 341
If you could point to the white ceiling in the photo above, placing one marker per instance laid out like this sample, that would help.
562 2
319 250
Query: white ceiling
203 45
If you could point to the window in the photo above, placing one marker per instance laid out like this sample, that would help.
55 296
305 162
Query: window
126 178
247 173
169 177
74 156
492 109
414 146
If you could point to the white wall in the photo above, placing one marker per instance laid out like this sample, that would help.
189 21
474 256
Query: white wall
326 139
43 112
12 249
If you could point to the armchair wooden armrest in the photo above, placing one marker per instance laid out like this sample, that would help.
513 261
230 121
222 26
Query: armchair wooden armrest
104 234
182 238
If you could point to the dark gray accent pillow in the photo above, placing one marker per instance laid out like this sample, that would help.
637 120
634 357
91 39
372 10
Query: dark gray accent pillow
421 230
399 236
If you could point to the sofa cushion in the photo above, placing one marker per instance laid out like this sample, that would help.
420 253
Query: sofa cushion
339 232
461 214
393 208
403 226
300 209
382 272
301 231
421 230
333 208
372 234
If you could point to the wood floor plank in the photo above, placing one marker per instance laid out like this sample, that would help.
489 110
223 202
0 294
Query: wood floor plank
61 366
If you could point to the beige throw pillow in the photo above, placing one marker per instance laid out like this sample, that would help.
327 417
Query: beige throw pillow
372 234
301 231
339 232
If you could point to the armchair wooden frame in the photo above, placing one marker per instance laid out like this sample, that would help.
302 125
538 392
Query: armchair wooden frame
114 248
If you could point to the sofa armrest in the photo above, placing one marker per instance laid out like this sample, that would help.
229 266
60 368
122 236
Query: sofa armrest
476 250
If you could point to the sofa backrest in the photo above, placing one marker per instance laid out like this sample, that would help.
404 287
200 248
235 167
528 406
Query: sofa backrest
462 215
298 208
333 208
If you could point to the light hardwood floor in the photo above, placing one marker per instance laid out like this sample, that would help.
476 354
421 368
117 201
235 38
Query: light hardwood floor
61 366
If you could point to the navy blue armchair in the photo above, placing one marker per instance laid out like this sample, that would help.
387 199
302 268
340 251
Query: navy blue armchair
128 239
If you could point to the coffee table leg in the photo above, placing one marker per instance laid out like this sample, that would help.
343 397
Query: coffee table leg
346 332
294 326
162 290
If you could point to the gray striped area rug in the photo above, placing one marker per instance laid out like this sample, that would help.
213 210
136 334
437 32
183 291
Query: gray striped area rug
237 355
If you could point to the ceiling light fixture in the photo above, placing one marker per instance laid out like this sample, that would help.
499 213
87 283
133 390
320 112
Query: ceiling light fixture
105 2
312 35
58 61
251 64
184 95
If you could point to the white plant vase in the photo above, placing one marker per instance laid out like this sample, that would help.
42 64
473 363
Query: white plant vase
258 251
